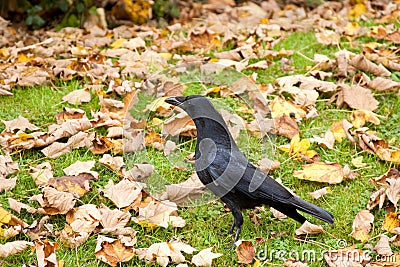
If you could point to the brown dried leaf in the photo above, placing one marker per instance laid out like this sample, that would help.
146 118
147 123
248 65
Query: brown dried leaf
286 126
113 163
159 213
71 239
320 192
181 193
124 193
267 165
139 172
165 252
17 206
328 37
77 97
382 84
115 222
205 257
362 63
382 247
78 184
113 251
393 191
362 224
11 248
308 228
7 166
42 173
358 97
8 184
46 253
377 198
180 124
20 123
70 114
81 167
56 202
245 251
327 141
277 214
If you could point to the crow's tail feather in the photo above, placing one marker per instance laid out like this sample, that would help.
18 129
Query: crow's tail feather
313 210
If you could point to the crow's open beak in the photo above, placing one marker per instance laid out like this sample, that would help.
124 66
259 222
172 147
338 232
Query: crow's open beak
176 100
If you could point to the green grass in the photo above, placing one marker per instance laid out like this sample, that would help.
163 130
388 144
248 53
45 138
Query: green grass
208 224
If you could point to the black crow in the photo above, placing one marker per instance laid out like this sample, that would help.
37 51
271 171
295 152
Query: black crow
223 169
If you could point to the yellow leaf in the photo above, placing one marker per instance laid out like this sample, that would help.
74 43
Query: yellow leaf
211 90
331 173
357 10
338 131
118 43
280 106
245 109
22 58
167 56
264 21
156 121
359 117
298 148
391 221
351 28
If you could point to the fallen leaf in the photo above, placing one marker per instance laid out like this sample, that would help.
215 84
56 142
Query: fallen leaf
362 63
328 37
350 255
391 221
8 184
17 206
338 131
267 165
362 225
308 228
205 257
280 106
393 191
183 192
78 184
139 172
377 198
46 253
81 167
14 247
42 173
165 252
113 163
56 202
124 193
382 247
320 192
294 263
359 117
331 173
21 124
327 141
115 222
277 214
358 97
245 251
181 124
113 251
7 166
70 114
298 149
357 162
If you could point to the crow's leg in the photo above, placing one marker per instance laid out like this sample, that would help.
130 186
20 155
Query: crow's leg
237 222
232 227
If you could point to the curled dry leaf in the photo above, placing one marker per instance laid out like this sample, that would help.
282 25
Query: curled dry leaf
331 173
46 253
124 193
181 124
139 172
159 213
382 247
115 222
277 214
77 97
70 114
113 251
245 251
327 141
7 166
359 117
393 191
308 228
181 193
8 184
382 84
362 63
267 165
11 248
81 167
205 257
77 185
362 224
21 124
42 173
165 252
377 198
17 206
320 192
56 202
113 163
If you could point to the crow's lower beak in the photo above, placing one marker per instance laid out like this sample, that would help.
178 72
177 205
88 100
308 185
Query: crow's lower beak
176 100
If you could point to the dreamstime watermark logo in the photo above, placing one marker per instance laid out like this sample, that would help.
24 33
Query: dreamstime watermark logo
340 255
196 77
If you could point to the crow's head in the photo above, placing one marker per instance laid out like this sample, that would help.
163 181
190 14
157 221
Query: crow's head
195 105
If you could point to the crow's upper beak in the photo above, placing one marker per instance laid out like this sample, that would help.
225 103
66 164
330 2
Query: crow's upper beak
176 100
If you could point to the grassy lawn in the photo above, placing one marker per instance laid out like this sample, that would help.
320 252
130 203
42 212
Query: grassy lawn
208 224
